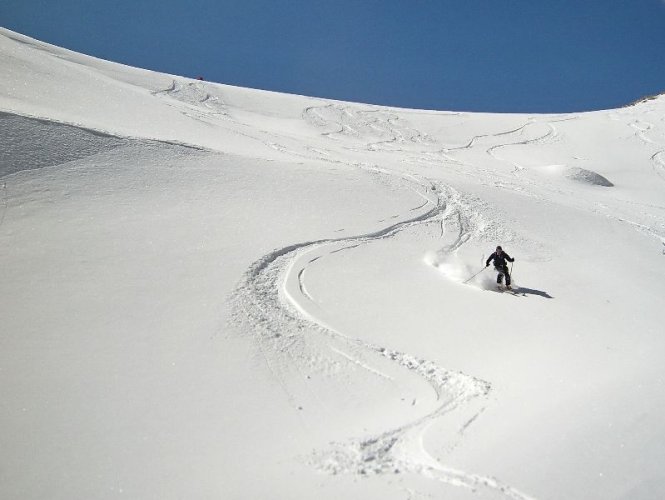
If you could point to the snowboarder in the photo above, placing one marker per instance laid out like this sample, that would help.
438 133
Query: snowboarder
500 257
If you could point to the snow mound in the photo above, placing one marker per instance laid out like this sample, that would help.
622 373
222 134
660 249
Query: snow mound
587 176
577 174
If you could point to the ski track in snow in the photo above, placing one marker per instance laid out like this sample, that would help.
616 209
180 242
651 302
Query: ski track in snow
285 317
290 334
658 162
385 127
193 101
641 129
548 137
476 138
274 316
488 176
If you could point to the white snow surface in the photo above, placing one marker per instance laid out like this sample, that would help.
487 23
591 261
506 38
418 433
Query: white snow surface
211 292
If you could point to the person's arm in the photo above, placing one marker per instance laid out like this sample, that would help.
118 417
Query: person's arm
509 258
489 260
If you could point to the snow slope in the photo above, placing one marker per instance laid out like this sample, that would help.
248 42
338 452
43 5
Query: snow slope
215 292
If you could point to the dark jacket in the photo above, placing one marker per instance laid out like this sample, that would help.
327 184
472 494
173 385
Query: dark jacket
499 260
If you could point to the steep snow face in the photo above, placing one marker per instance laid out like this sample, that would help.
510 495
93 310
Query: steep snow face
214 292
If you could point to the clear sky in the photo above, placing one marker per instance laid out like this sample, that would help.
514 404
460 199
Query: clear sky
470 55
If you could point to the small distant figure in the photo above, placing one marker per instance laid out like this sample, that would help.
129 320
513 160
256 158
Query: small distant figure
200 78
500 257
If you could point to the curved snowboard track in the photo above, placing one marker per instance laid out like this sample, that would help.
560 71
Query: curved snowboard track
291 337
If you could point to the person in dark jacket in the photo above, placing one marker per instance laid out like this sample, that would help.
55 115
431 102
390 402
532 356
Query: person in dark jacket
500 257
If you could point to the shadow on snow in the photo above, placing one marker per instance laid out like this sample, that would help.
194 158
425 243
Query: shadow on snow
532 291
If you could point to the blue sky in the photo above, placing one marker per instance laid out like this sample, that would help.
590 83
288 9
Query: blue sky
470 55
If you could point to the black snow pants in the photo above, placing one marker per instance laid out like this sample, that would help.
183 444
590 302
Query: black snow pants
502 270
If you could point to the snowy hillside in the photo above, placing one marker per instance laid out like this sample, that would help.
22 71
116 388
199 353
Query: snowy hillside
215 292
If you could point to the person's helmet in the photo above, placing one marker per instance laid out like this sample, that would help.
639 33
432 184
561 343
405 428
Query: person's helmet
498 249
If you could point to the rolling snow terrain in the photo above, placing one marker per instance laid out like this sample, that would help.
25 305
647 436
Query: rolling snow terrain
211 292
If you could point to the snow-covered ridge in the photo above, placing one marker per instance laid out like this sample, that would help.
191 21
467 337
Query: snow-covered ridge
215 292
